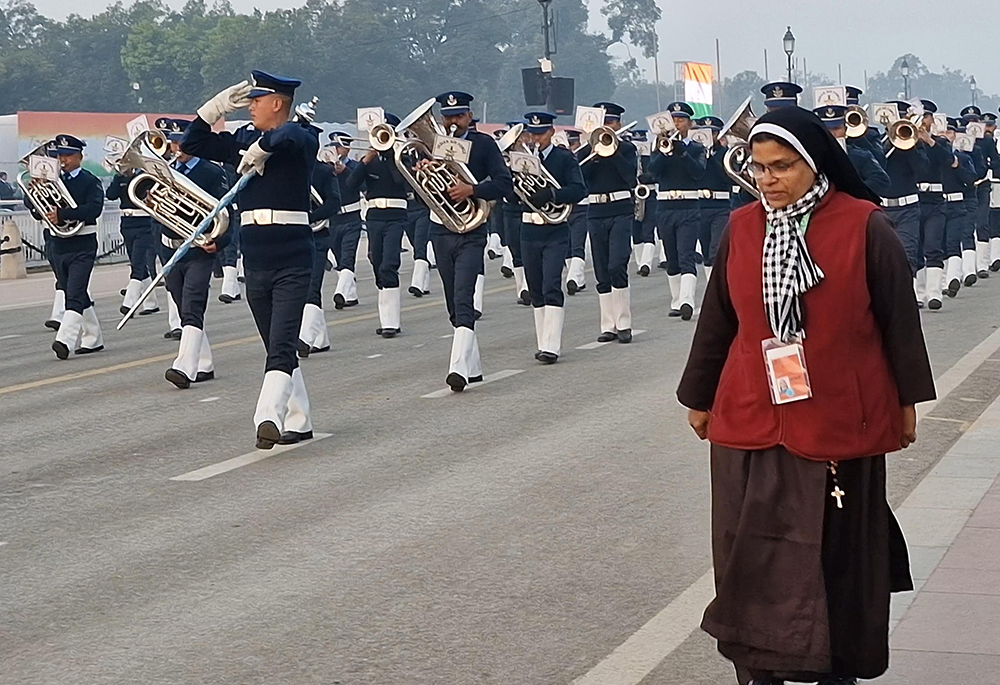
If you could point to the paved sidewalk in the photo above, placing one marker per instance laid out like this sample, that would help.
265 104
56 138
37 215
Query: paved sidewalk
948 631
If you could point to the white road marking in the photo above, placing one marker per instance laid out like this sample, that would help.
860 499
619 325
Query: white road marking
11 336
499 375
445 337
373 356
2 544
594 345
244 460
417 347
635 658
654 642
209 399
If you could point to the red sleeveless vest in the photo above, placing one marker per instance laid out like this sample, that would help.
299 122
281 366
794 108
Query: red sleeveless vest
854 411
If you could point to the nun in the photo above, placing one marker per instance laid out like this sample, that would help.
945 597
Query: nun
804 371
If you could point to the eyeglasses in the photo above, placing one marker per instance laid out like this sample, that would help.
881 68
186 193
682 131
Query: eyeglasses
777 170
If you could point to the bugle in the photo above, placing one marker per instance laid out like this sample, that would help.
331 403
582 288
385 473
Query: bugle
604 141
856 120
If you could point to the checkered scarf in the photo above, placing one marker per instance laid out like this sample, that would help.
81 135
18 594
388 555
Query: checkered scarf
789 271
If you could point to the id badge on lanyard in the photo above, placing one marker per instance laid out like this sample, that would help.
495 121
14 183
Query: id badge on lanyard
785 363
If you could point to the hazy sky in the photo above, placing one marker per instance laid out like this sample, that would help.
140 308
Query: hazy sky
858 34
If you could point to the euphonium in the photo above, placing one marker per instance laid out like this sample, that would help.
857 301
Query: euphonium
527 184
431 178
48 195
736 162
176 201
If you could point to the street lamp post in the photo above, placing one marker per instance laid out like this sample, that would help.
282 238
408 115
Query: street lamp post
972 87
788 42
904 69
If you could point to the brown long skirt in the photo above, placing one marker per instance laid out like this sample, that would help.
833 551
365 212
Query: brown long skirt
802 587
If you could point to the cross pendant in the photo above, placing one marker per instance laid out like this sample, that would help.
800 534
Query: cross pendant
839 494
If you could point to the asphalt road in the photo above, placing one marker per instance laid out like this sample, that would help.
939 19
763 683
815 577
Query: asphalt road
517 533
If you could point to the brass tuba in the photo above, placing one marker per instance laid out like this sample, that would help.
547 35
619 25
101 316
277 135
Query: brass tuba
170 197
431 178
527 184
47 195
736 161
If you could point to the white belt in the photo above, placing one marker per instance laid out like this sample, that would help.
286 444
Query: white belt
714 194
532 218
678 195
353 207
584 202
320 225
269 217
170 242
386 203
736 190
900 201
604 198
86 230
930 187
954 197
134 212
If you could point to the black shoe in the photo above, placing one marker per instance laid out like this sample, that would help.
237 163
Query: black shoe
328 266
427 292
607 336
833 680
351 303
970 280
456 382
415 291
547 357
175 334
478 314
983 274
995 266
538 353
60 349
687 311
390 332
225 299
492 255
217 270
506 272
674 313
88 350
241 279
147 312
934 304
476 379
302 349
625 336
644 270
291 437
662 265
338 301
571 287
178 378
123 309
953 287
204 376
317 350
267 435
52 324
122 291
161 284
524 298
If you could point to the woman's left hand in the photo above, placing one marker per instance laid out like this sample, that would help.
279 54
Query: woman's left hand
909 426
699 422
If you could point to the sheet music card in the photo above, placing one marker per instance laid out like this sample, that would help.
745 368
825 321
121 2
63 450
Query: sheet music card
137 126
525 163
370 117
589 118
452 149
43 167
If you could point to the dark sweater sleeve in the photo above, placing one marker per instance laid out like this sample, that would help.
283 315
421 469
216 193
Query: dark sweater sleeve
626 163
717 325
89 207
890 287
572 186
116 188
329 190
201 141
499 183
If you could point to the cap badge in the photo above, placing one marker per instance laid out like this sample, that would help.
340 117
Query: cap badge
452 100
536 120
777 92
676 107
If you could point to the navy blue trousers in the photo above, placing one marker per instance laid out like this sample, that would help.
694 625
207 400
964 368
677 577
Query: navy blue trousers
645 231
933 222
276 298
543 249
578 233
611 247
969 230
385 242
512 234
229 254
345 234
73 261
188 284
679 233
322 240
418 223
138 245
459 262
713 223
954 228
906 221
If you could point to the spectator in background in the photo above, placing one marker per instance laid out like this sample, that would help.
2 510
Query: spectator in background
6 190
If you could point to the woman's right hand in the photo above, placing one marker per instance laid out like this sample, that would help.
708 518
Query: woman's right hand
699 422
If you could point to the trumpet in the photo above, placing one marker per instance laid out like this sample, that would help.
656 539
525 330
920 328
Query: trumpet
48 195
432 178
902 134
604 141
856 119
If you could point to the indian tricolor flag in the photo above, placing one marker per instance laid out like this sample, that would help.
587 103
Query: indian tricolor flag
698 87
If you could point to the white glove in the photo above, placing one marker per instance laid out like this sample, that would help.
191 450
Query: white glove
253 159
226 102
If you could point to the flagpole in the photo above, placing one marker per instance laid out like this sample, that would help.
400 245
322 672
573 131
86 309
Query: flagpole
656 68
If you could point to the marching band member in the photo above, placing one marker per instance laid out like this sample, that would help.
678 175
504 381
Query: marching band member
277 242
419 218
979 166
958 177
576 262
460 255
778 94
543 245
136 230
713 205
228 257
872 139
385 223
678 176
610 210
502 208
901 201
189 281
984 221
345 227
644 229
511 209
73 257
314 336
870 171
932 211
